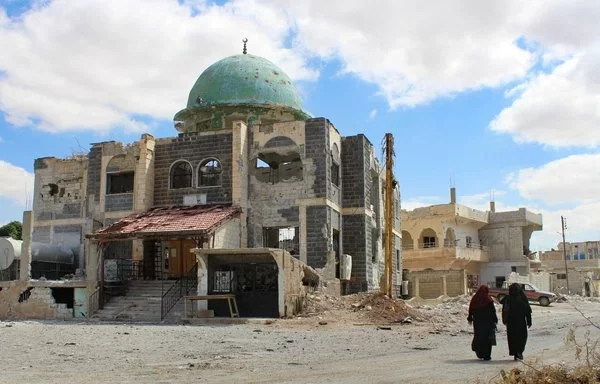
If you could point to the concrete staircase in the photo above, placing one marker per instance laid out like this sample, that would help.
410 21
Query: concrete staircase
141 304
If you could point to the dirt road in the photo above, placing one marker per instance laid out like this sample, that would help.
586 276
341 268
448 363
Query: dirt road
287 351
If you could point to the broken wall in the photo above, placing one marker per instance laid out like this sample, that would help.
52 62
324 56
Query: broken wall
19 301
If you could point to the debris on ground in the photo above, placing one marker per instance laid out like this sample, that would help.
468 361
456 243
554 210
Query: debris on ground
370 307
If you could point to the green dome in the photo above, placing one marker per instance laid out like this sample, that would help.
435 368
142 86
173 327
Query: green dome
244 80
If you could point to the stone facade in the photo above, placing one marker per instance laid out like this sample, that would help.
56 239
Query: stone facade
300 185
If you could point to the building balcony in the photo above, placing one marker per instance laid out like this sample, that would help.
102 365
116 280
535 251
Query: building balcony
450 256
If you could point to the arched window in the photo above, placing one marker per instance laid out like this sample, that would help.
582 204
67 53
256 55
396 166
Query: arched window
181 175
407 241
428 239
209 173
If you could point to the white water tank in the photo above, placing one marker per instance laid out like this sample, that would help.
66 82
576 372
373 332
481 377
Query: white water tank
345 267
10 249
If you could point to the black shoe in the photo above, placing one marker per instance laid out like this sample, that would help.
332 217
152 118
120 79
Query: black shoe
519 357
487 358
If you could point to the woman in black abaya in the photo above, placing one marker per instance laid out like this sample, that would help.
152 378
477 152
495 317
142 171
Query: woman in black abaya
483 316
516 315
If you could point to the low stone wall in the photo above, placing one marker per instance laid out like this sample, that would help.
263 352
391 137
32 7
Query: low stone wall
430 284
20 301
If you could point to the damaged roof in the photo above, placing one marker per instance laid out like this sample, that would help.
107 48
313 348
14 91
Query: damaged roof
197 219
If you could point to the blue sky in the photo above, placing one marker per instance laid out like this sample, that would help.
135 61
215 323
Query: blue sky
497 99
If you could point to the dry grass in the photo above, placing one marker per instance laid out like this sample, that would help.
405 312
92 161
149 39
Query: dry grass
587 372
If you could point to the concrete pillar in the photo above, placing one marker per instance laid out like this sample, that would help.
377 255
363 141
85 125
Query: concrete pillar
444 286
303 234
25 263
416 288
143 183
92 261
239 176
202 278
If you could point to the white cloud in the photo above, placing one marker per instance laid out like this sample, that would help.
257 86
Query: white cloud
481 201
96 65
421 201
583 224
416 53
558 109
16 184
1 140
110 62
574 179
372 114
567 187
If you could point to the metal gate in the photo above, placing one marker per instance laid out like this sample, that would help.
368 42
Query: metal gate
254 285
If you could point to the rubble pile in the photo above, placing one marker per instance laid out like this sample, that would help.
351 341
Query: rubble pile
372 307
380 308
317 304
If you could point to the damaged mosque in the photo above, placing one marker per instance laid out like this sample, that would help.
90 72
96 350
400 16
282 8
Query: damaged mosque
252 197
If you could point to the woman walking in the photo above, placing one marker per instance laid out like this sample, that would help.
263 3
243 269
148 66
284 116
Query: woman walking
483 316
516 315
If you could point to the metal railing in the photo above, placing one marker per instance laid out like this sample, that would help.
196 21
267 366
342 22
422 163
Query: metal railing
94 302
130 270
447 244
182 287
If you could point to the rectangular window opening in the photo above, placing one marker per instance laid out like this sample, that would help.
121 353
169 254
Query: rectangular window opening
119 183
282 238
335 174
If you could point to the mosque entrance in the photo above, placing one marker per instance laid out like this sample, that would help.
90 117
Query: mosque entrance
178 257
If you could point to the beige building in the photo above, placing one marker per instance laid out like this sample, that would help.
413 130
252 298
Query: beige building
451 248
582 267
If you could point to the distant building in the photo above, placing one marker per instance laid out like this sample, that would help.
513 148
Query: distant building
582 266
451 248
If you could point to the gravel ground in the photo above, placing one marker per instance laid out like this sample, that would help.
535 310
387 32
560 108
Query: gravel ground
342 349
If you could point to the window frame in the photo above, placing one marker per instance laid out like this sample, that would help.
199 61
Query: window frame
171 174
199 177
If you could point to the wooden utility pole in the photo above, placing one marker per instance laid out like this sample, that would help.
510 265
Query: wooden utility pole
389 208
563 225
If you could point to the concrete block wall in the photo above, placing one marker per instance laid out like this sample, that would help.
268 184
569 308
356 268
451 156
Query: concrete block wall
59 188
41 234
317 235
94 172
118 202
354 242
70 235
194 148
355 176
317 151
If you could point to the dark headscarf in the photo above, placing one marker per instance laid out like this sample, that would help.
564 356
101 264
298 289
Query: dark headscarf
481 298
517 294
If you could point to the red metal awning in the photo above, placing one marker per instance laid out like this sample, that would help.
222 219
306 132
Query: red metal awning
182 220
